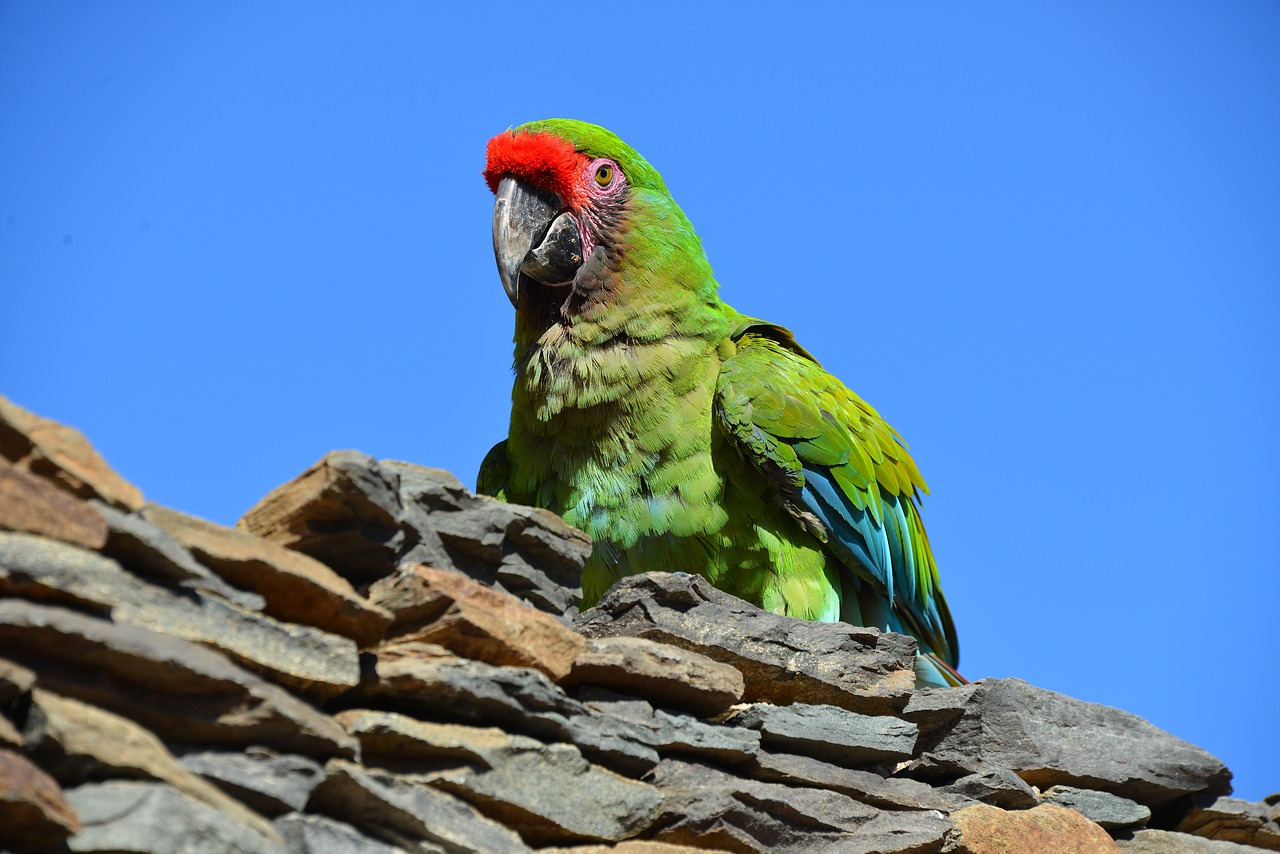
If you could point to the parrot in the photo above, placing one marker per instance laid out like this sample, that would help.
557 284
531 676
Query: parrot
680 435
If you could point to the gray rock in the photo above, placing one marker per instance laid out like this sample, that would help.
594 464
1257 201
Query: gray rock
268 782
411 815
126 815
999 787
707 808
782 659
666 674
1232 820
301 657
935 710
1110 811
1169 842
830 733
316 834
888 793
676 734
179 690
1049 739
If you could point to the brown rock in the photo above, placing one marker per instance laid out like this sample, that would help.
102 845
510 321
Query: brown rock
474 621
63 455
983 829
633 846
33 812
15 681
296 587
664 674
34 505
1232 820
1169 842
783 660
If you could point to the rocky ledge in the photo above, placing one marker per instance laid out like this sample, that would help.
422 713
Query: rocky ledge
376 660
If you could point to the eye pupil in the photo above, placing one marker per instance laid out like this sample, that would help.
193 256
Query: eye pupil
604 174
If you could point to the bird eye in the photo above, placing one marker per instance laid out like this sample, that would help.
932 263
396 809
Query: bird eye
604 174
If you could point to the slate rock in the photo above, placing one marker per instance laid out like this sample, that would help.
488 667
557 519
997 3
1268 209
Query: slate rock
411 815
1232 820
474 621
999 787
33 812
830 733
984 829
296 588
155 818
62 455
1110 812
316 834
935 710
888 793
782 659
16 683
706 807
34 505
675 733
1049 739
179 690
304 658
269 782
668 675
1169 842
632 846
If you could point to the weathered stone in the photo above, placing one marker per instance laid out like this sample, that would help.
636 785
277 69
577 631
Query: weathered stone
482 623
1231 820
1169 842
1108 811
546 792
1049 739
316 834
426 678
884 792
706 807
134 816
632 846
268 782
935 710
675 734
782 659
34 505
33 813
78 743
412 815
668 675
306 659
179 690
296 587
830 733
367 517
16 682
984 829
9 735
998 787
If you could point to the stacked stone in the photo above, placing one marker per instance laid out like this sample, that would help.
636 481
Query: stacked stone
376 660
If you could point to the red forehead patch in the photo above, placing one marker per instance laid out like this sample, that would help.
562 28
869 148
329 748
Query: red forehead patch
542 159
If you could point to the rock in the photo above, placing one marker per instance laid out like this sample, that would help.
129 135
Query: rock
16 682
1001 788
935 710
268 782
546 792
782 659
676 734
175 688
1110 812
1049 739
34 505
984 829
1232 820
445 607
128 815
1168 842
411 815
9 735
315 834
706 807
669 675
296 588
78 743
632 846
886 793
303 658
368 517
33 812
830 733
62 455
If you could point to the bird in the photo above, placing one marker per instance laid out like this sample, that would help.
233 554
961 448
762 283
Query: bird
679 434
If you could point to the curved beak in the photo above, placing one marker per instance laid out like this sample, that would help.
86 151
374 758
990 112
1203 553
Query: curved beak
533 237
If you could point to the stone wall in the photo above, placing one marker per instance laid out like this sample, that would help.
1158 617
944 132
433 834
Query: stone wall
376 660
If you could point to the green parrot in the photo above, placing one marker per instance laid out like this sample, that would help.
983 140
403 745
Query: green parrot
679 434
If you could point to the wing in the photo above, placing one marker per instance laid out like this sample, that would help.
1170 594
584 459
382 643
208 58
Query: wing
495 472
844 475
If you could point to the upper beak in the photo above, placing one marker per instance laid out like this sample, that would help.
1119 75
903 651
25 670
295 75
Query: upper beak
533 237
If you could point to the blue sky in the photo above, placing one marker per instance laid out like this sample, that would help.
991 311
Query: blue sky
1042 239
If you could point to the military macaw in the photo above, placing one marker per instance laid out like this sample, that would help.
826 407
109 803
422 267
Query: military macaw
679 434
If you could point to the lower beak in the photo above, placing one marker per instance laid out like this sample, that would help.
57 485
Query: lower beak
533 237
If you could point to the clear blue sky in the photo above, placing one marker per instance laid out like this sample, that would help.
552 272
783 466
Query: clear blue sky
1042 239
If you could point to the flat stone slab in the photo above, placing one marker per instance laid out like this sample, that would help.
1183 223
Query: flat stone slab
665 674
317 834
269 782
33 811
888 793
984 829
1233 820
33 505
830 733
1108 811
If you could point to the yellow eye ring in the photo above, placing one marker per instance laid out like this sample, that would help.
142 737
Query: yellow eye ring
604 175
